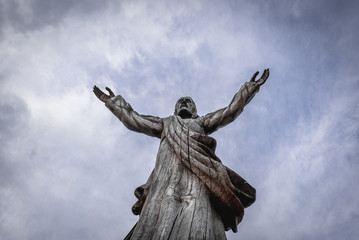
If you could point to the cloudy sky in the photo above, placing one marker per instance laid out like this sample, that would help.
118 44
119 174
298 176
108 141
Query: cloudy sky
68 167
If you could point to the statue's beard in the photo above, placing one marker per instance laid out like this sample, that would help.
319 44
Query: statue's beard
185 113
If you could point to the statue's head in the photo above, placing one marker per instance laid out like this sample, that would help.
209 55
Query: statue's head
186 108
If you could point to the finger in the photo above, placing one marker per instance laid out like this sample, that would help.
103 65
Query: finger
264 77
95 88
97 91
110 91
254 76
265 74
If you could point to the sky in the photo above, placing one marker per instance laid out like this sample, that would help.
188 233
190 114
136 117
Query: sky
68 167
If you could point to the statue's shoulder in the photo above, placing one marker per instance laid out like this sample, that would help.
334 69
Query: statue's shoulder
168 119
199 120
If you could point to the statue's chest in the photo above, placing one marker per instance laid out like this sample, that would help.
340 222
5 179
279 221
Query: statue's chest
193 126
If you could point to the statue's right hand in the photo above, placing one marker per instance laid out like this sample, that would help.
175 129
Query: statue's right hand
101 95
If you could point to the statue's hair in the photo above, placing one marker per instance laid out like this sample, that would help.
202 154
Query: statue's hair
193 110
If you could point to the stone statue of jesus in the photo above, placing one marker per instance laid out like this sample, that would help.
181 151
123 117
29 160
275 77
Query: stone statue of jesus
190 194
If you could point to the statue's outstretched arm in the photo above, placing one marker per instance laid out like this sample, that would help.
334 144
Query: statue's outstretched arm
148 125
220 118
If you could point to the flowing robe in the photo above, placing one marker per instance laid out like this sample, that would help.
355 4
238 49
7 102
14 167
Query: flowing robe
190 194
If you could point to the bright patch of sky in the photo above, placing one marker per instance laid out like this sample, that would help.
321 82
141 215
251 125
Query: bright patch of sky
68 167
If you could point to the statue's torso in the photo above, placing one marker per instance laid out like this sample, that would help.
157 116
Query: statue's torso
178 204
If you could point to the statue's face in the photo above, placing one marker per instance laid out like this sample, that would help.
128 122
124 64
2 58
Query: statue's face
186 108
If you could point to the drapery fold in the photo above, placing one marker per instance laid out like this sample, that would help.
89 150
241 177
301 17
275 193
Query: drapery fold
229 192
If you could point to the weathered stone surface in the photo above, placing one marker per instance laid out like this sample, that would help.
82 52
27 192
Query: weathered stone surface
190 194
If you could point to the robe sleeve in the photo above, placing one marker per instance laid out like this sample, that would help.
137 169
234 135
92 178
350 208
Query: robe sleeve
220 118
149 125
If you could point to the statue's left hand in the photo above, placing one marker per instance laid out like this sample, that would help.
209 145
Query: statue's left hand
262 79
101 95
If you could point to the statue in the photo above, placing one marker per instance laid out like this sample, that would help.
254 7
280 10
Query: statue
190 194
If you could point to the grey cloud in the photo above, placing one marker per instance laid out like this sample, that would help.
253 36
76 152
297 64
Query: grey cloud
14 116
31 15
13 124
